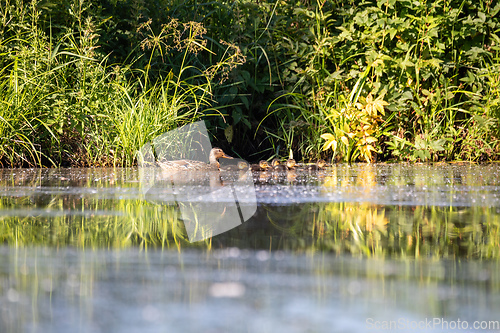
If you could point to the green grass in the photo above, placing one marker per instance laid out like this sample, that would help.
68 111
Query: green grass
87 83
64 104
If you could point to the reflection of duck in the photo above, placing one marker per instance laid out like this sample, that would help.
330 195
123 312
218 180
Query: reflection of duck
277 166
320 165
262 166
179 165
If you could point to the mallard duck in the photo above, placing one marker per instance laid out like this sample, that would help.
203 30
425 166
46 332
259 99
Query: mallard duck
291 173
240 166
179 165
320 164
277 166
290 164
262 166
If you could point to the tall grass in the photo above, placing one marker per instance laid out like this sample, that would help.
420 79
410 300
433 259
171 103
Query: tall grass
85 83
63 103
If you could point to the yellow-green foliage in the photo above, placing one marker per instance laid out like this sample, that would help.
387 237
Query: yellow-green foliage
354 127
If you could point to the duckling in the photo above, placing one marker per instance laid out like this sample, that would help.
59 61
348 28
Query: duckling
241 165
320 165
277 166
262 166
291 164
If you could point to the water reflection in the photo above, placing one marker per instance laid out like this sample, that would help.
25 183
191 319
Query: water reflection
369 210
335 250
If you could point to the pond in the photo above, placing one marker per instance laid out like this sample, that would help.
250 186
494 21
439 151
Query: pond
352 248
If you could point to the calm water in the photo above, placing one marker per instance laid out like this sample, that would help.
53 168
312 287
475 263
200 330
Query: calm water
350 249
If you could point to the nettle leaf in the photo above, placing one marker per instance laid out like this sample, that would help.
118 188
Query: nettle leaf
237 115
435 62
481 16
437 145
406 63
469 79
475 52
245 101
495 10
334 76
345 34
407 95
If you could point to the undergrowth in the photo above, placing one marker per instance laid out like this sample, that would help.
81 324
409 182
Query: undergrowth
87 82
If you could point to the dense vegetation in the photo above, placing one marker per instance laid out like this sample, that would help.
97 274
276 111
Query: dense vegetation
88 82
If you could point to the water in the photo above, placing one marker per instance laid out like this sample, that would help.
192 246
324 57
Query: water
351 249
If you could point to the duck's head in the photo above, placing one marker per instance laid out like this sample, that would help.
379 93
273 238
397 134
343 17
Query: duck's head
321 163
275 162
290 163
217 153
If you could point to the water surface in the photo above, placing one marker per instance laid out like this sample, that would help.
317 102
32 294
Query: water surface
348 249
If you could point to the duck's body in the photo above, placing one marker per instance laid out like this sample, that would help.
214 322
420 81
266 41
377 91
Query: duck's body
243 166
240 166
262 166
291 164
277 166
179 165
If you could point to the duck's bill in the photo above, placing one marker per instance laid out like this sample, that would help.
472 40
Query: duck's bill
226 156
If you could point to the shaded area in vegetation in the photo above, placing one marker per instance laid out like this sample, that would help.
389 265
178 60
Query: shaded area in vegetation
89 82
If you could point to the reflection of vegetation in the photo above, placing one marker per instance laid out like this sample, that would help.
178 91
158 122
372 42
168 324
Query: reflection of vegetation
357 228
46 214
368 229
93 225
37 210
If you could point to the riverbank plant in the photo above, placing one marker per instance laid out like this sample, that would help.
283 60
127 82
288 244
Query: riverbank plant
355 126
65 103
85 82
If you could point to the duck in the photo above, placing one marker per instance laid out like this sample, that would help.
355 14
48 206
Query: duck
179 165
277 166
291 174
262 166
240 166
291 164
319 165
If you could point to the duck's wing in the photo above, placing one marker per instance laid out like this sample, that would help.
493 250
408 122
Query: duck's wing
181 163
186 165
